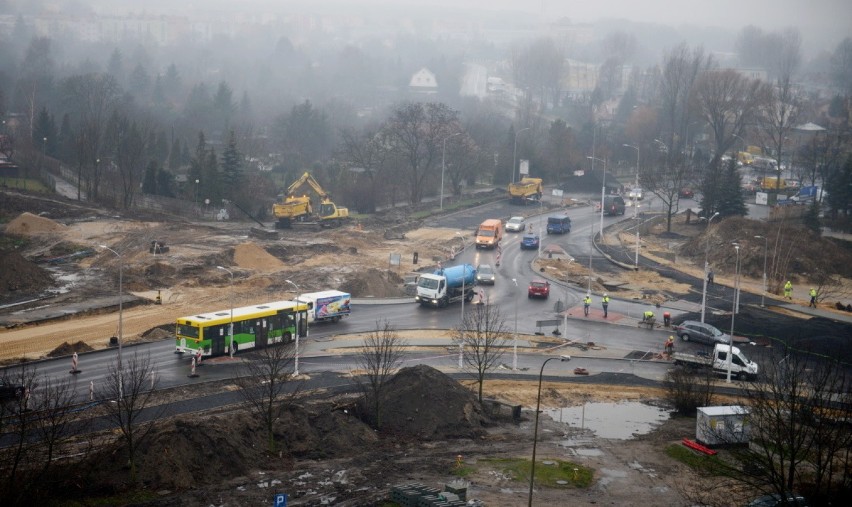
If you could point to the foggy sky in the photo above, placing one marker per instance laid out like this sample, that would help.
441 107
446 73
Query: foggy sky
823 23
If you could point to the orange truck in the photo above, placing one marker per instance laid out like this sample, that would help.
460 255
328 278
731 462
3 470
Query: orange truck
489 233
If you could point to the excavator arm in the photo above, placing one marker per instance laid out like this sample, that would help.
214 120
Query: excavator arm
311 182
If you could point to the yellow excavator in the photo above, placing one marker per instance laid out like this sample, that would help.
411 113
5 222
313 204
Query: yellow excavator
299 209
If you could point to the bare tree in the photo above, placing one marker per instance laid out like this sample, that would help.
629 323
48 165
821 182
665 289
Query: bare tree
264 385
380 356
368 154
690 388
126 395
728 102
415 133
797 426
484 335
90 100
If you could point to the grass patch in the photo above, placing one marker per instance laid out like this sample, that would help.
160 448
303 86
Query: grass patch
24 184
696 461
574 475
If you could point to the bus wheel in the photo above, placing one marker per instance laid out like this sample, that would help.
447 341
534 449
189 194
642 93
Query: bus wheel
288 337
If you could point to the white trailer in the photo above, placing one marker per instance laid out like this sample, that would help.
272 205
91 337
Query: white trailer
326 306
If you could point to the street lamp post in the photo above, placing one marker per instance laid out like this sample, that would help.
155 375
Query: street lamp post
298 328
197 181
636 261
535 431
706 253
464 276
120 319
443 155
515 341
765 288
515 153
603 188
733 312
231 298
636 184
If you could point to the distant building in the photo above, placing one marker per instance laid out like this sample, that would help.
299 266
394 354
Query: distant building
423 81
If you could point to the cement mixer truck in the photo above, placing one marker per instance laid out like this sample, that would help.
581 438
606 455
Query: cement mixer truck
446 285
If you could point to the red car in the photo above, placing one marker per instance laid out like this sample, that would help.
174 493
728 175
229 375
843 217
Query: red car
687 193
539 289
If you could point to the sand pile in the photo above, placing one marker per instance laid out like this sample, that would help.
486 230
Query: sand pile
27 224
251 256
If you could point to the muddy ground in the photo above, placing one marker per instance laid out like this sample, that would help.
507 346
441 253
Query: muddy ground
331 454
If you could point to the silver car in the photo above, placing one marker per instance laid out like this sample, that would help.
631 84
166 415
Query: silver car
694 330
485 274
515 224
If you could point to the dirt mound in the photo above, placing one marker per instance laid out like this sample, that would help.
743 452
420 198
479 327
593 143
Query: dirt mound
424 403
20 276
27 224
66 349
373 283
251 256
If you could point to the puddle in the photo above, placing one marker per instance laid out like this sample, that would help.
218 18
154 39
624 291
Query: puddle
612 420
589 452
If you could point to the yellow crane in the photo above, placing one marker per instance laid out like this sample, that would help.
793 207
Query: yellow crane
300 209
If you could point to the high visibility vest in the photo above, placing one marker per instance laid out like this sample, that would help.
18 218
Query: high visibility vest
649 314
587 300
605 300
813 293
788 286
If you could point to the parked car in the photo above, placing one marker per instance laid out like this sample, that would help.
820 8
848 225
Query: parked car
636 194
775 500
686 193
697 331
10 392
530 241
485 274
516 224
538 289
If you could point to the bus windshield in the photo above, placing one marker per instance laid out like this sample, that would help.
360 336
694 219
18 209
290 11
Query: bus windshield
188 331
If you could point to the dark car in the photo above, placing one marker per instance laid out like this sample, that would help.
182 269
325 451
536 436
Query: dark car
694 330
10 392
614 205
530 241
559 224
538 289
485 274
776 501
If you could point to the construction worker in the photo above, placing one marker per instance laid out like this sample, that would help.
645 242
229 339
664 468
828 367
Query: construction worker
605 304
788 290
648 316
669 346
813 294
587 301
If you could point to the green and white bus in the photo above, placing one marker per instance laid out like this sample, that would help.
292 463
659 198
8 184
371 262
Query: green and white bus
254 327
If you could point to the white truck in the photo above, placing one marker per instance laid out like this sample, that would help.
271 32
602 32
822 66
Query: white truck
328 305
446 285
741 367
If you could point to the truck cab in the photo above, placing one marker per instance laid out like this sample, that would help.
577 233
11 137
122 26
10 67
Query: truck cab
741 366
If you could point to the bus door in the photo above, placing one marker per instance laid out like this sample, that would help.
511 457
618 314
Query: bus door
303 324
261 337
217 341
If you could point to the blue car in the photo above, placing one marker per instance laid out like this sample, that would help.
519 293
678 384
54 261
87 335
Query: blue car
530 241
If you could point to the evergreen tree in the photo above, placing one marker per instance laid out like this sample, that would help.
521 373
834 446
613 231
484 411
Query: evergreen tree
211 179
710 191
231 166
185 157
811 218
45 128
175 156
840 196
165 183
730 193
171 82
196 165
223 105
139 82
66 140
115 66
149 181
160 148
